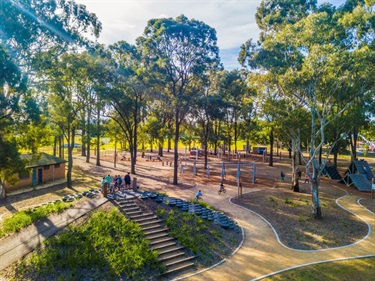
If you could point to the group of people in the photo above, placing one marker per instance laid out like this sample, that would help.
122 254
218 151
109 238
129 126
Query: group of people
117 183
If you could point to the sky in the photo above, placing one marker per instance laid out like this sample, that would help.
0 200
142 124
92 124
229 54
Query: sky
233 20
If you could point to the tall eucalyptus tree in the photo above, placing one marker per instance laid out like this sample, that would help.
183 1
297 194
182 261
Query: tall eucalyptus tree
181 50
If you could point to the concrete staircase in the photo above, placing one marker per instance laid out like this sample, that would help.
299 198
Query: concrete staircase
172 255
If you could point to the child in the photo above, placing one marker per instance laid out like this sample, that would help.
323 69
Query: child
307 180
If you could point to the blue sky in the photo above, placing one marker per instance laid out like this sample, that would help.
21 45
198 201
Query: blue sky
233 20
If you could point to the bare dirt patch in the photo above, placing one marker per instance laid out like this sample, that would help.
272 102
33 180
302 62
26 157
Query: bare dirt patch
288 212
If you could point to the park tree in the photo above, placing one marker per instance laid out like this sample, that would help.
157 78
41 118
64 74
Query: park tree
125 92
181 50
27 28
235 92
209 106
67 77
160 117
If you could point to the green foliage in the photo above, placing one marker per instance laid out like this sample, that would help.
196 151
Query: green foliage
106 246
25 218
338 270
203 204
160 211
190 233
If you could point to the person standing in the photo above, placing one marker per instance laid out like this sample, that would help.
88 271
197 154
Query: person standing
282 175
108 179
127 180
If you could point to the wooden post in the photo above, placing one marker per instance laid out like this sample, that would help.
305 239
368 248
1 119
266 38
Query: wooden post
135 184
105 189
239 188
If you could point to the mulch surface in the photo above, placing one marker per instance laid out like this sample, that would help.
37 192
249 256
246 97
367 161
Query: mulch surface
291 216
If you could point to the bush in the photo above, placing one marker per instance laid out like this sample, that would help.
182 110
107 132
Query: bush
25 218
107 246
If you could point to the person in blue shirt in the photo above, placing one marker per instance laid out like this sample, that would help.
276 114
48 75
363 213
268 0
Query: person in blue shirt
198 195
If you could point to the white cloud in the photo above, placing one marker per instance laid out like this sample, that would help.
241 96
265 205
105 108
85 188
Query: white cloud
233 20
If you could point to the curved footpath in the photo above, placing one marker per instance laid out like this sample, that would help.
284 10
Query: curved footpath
261 253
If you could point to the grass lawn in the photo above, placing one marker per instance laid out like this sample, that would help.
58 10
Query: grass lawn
347 270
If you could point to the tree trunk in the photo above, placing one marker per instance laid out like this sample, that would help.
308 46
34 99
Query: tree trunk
61 147
315 198
335 156
235 137
70 158
135 135
353 145
205 143
88 138
83 142
295 180
98 139
54 146
320 155
3 193
271 148
169 137
176 137
160 148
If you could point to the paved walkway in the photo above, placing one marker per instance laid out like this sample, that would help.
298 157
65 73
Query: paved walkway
261 253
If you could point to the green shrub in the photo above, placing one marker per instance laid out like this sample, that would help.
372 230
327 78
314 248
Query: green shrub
25 218
107 246
203 204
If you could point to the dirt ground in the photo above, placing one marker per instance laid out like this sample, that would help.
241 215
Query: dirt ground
289 212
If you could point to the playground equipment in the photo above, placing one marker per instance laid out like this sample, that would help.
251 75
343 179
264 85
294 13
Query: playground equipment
223 169
360 175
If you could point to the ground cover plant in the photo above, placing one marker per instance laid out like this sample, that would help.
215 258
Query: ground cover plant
24 218
106 247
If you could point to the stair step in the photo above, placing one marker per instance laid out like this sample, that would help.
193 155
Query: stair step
145 219
149 222
152 237
179 268
125 201
162 240
128 205
142 215
151 227
179 261
130 209
170 250
172 256
164 246
133 213
156 231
